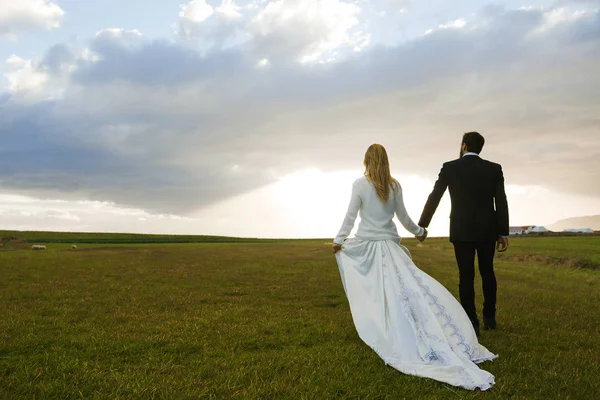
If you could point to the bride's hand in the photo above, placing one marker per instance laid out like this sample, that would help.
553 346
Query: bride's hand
336 247
423 237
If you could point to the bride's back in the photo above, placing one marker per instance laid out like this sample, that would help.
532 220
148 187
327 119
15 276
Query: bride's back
377 196
376 216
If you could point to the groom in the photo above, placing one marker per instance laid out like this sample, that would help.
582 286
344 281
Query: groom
478 222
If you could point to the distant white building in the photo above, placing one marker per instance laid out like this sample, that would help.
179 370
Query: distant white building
516 230
520 230
579 230
538 229
524 230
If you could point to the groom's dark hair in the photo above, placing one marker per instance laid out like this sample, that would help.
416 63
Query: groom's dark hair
474 141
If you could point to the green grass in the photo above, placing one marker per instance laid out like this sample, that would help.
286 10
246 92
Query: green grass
574 247
270 321
122 238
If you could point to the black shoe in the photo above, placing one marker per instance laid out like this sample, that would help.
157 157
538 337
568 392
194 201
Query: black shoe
489 323
476 327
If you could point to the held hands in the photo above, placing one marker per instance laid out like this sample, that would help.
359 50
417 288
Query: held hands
502 244
336 247
423 237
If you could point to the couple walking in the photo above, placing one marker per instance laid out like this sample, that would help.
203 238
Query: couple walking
413 323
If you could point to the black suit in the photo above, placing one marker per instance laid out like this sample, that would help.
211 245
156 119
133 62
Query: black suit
479 216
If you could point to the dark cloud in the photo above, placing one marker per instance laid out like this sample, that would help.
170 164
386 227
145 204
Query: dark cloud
56 157
160 126
56 57
158 62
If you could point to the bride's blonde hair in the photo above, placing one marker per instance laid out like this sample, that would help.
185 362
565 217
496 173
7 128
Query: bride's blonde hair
377 170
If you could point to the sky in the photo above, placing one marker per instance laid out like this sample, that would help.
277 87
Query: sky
251 118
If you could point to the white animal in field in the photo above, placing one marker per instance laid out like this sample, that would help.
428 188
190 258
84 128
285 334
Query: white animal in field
73 246
38 247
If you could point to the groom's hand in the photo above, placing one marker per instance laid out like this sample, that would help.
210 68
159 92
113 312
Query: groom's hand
501 244
336 247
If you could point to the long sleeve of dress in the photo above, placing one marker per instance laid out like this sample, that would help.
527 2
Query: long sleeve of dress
348 224
403 216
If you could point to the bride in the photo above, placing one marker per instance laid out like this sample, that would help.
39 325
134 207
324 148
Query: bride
411 321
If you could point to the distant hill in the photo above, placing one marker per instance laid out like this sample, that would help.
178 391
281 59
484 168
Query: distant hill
591 221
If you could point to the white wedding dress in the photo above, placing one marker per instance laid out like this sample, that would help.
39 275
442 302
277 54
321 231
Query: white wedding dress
413 323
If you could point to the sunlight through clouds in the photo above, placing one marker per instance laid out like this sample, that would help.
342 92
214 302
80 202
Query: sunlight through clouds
196 11
314 29
309 203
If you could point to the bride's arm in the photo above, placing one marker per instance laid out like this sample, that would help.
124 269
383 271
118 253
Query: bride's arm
403 216
351 214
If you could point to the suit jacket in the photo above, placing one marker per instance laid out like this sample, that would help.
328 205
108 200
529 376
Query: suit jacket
479 207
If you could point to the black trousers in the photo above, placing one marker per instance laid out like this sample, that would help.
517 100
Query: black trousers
465 258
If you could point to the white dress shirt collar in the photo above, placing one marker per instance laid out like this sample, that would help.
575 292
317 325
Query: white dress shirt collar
471 154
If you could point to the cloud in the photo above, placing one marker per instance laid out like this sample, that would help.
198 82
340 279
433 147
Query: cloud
283 30
306 30
213 27
152 62
165 127
456 24
196 11
31 81
26 15
25 82
396 6
59 59
27 213
118 33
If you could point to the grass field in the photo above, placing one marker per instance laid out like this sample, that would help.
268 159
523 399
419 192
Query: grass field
121 238
269 320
